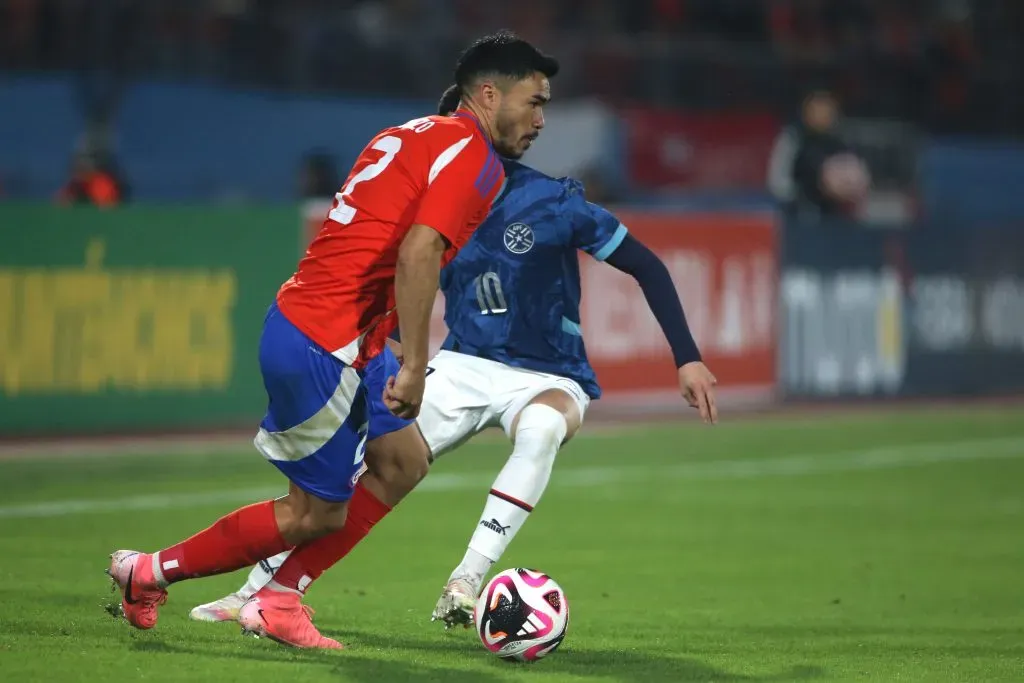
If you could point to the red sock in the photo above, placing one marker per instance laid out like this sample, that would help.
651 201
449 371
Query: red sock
237 540
310 560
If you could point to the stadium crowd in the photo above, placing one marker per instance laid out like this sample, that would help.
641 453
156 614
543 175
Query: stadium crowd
926 59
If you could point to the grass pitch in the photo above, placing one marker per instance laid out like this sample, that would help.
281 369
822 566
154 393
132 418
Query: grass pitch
867 548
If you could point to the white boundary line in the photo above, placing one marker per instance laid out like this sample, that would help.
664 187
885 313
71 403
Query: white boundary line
612 418
909 455
230 443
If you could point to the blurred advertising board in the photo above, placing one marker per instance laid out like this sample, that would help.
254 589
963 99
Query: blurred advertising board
135 319
673 150
724 268
929 312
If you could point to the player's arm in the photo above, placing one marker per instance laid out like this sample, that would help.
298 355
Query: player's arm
649 271
643 265
463 179
416 281
416 276
600 234
461 184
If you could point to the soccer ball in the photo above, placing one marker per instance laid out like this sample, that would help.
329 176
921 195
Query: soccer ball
521 615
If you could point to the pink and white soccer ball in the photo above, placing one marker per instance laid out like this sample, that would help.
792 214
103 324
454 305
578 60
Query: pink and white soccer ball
521 615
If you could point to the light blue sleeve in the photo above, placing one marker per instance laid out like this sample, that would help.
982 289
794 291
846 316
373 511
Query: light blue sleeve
595 230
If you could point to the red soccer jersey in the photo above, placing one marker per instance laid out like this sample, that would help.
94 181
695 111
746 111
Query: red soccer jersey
436 171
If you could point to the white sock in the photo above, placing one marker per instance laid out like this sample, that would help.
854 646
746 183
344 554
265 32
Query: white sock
262 573
158 572
474 567
517 489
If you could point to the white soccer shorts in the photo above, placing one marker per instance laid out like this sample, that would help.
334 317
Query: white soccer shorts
465 395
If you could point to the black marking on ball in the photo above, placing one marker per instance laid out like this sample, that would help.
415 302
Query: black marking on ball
509 616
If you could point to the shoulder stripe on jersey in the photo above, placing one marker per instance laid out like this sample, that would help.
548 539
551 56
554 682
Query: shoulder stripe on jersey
489 175
612 244
498 171
446 157
501 191
486 169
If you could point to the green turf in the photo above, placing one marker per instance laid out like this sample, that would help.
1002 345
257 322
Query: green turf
875 548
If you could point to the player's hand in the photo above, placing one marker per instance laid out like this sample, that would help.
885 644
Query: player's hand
403 393
697 385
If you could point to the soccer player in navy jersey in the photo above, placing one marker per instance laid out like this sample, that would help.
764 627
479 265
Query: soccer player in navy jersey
515 357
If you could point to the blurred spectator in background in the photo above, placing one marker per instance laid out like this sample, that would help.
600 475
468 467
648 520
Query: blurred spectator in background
318 176
812 172
95 180
318 181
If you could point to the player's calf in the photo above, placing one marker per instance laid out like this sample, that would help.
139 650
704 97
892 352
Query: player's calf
239 539
399 461
539 431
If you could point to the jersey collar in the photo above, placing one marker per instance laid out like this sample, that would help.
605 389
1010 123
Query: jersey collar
466 114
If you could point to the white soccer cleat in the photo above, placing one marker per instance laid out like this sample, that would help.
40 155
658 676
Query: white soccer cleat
456 604
225 609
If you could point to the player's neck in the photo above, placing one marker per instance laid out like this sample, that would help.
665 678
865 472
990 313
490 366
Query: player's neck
468 108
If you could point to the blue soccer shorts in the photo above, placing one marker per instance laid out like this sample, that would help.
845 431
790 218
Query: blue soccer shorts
321 412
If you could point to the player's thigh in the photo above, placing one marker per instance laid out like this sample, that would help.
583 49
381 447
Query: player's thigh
560 393
456 402
313 430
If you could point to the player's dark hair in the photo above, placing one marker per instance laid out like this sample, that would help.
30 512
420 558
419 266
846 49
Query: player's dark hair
501 54
449 101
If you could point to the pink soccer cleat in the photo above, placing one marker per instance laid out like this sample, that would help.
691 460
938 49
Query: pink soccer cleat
141 597
281 616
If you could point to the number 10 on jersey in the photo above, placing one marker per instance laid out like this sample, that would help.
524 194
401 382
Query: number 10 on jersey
489 296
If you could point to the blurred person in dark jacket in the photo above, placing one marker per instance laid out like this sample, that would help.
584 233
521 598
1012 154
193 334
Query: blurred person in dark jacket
316 185
812 172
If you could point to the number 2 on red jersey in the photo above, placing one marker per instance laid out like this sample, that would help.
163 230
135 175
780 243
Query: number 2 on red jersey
390 145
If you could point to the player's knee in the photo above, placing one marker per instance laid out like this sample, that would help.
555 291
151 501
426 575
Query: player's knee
402 472
541 430
414 468
398 462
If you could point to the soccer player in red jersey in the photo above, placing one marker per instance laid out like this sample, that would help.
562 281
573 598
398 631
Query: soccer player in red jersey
413 198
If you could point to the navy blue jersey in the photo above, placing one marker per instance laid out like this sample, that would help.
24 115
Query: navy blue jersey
513 291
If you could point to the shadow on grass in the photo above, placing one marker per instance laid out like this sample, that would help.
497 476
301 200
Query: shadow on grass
360 663
622 665
351 663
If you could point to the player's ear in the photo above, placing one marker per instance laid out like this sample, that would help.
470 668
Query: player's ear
490 94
